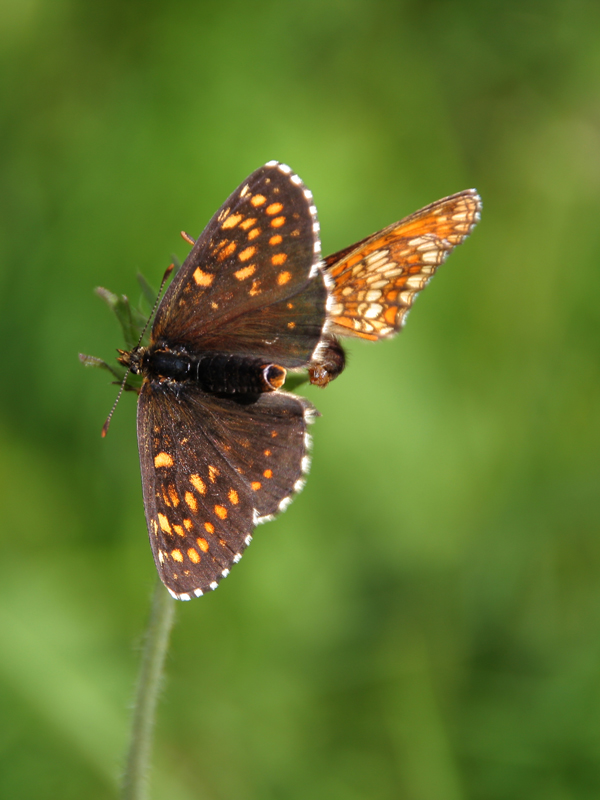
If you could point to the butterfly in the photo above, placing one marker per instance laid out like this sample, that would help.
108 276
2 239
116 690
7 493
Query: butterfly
222 447
374 282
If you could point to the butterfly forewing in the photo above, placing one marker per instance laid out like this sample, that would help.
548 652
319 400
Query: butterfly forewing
251 283
375 282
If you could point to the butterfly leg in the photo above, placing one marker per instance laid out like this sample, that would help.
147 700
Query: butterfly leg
328 362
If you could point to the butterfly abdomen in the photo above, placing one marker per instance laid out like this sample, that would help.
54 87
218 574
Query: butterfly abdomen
217 373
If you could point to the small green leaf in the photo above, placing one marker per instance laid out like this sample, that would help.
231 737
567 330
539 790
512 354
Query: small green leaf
148 292
93 361
119 305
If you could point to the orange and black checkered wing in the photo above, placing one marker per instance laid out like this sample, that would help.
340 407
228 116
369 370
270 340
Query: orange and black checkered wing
374 282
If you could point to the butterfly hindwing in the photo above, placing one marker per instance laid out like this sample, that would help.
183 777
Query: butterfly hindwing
212 468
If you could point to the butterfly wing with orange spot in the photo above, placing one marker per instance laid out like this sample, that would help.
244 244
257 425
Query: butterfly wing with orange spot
374 282
213 467
251 283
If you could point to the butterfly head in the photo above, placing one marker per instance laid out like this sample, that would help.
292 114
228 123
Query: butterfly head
132 359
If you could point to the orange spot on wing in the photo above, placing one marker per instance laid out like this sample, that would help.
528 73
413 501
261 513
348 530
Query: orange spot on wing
173 495
283 278
348 323
233 497
232 221
247 253
254 233
193 555
198 483
279 259
178 530
277 222
258 200
390 315
191 501
256 485
345 322
277 239
209 527
163 460
227 251
202 544
164 523
177 555
213 472
248 223
203 278
245 272
221 512
268 473
274 208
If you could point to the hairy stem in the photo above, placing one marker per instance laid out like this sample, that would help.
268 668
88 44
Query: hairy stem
137 768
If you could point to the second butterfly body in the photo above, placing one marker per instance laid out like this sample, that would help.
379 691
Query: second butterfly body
222 447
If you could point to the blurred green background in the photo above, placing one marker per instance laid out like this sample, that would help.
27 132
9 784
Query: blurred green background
424 622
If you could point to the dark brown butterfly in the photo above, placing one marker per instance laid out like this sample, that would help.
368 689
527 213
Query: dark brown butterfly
222 448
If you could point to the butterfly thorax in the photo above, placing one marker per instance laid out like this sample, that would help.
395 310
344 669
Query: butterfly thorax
217 373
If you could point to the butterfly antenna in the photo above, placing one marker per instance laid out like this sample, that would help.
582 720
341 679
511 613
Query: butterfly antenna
168 271
112 411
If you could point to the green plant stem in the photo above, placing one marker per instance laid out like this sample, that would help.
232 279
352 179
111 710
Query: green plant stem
153 658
